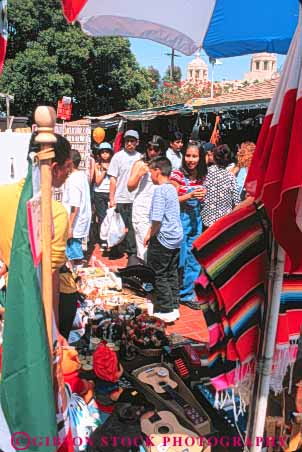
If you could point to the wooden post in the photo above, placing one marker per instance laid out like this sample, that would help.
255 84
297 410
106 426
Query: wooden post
45 118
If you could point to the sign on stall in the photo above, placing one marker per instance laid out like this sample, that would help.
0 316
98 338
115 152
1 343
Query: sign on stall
79 136
64 109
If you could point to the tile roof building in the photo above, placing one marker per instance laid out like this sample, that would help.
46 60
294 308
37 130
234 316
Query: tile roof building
256 94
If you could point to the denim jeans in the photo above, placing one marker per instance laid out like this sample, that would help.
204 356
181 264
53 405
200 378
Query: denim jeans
164 262
67 310
190 268
126 212
101 205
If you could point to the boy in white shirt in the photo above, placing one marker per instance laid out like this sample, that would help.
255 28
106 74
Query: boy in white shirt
173 153
76 199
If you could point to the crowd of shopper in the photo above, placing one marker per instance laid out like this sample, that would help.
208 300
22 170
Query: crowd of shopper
167 193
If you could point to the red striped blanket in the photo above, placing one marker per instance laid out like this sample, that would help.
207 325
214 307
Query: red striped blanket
234 257
289 326
233 254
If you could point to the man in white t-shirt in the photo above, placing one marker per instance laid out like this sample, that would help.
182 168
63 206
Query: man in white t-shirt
119 195
76 199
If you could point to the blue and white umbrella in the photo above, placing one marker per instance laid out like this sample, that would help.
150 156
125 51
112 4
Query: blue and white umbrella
223 28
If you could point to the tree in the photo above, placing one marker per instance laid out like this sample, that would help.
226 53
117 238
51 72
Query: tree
47 58
154 76
176 93
176 74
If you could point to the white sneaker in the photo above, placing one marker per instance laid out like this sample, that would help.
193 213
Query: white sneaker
176 313
167 317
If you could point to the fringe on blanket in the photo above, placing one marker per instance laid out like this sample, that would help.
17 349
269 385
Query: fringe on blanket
241 390
227 397
244 379
284 359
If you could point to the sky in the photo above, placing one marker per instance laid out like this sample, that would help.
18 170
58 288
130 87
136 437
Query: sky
149 53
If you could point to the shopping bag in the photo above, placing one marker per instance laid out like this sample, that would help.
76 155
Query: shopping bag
104 229
113 228
117 230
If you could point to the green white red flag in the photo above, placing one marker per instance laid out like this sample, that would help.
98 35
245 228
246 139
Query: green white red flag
27 393
275 175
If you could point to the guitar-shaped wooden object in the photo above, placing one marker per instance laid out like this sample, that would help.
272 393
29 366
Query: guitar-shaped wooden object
162 428
191 413
157 377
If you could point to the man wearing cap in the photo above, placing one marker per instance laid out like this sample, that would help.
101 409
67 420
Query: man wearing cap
119 195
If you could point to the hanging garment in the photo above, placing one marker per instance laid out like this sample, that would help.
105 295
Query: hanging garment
234 256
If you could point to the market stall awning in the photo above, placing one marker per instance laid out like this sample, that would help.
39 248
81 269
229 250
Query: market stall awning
112 120
255 96
223 28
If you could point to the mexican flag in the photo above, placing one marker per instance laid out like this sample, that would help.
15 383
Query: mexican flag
27 396
275 174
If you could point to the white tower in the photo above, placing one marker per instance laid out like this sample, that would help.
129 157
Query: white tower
197 70
263 67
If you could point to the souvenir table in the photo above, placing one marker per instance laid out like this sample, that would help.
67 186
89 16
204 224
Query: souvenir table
105 289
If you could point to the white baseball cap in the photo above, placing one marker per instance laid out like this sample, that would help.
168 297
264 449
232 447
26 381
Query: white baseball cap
132 134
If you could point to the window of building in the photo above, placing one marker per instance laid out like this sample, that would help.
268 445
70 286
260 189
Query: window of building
197 73
265 65
191 73
257 65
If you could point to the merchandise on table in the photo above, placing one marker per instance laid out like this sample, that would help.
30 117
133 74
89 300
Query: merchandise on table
104 288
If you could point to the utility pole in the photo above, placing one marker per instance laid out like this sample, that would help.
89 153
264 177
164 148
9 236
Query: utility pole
213 61
8 99
172 55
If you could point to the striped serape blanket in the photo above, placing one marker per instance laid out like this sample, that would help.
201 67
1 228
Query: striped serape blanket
233 254
289 327
234 257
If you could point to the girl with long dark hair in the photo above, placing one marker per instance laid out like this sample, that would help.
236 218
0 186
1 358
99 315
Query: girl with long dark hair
189 182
